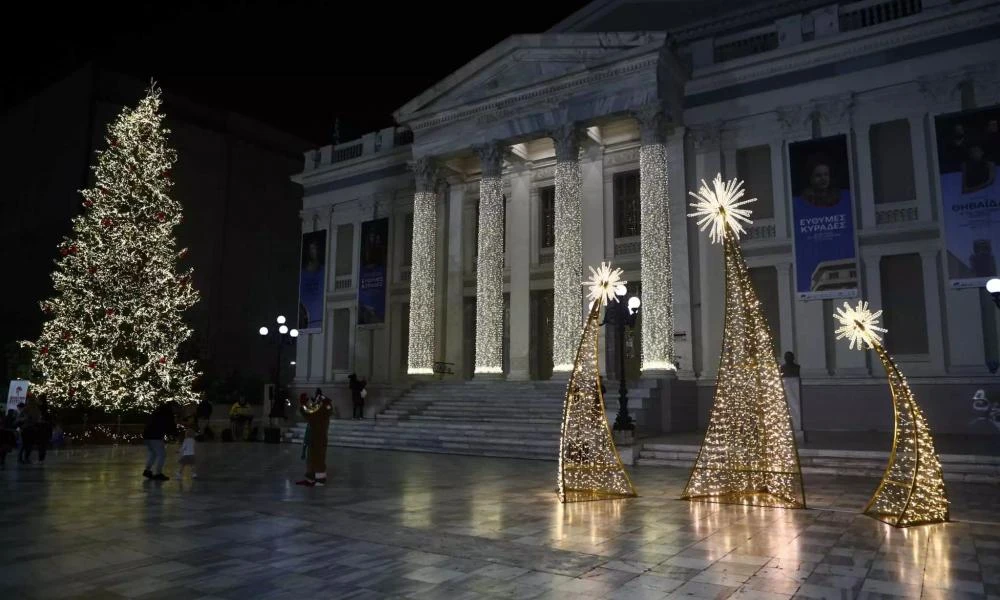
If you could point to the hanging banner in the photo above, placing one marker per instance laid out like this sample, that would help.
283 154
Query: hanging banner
968 153
312 275
826 262
372 276
17 393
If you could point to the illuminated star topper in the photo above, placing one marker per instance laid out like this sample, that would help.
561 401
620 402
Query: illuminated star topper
859 325
719 207
605 284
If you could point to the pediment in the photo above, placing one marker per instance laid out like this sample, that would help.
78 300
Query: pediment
522 62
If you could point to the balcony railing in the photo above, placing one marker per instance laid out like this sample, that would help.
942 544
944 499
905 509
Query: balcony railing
342 154
747 45
868 13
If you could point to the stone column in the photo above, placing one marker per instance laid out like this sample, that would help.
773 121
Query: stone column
923 168
932 305
711 281
454 319
423 270
786 307
656 269
568 252
489 270
518 247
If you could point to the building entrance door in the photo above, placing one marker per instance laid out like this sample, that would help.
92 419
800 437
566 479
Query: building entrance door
540 348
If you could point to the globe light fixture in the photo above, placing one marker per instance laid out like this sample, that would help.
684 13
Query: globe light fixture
993 286
294 333
281 320
283 329
262 330
633 304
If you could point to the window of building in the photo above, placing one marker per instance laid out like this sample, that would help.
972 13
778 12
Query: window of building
765 283
627 205
547 216
753 166
341 339
408 240
903 304
892 162
345 250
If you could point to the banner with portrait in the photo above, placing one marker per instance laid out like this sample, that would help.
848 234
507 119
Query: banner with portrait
968 146
372 276
312 278
826 258
17 393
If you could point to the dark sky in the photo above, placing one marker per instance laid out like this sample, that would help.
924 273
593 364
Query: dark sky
295 64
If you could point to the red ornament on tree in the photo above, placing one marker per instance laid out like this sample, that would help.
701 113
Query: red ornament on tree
64 251
161 216
45 349
109 311
163 360
107 222
92 365
66 335
166 174
73 249
72 392
88 203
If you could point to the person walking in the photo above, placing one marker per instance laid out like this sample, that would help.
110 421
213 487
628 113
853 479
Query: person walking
317 413
161 422
186 455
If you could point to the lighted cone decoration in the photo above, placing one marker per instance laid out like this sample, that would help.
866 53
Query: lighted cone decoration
589 465
912 489
749 454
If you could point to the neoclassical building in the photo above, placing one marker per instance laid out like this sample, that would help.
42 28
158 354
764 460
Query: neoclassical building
551 153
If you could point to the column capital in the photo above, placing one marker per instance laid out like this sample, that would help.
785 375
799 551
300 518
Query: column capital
707 137
567 141
654 123
490 158
425 169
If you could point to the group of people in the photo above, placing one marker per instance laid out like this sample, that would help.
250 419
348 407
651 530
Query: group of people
32 425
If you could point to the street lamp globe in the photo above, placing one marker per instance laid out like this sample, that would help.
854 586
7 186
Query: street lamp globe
262 330
993 286
294 333
283 329
281 319
633 304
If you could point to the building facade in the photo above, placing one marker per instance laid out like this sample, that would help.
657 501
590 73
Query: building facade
553 152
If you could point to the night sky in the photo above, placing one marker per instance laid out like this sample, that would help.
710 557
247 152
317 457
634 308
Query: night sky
294 64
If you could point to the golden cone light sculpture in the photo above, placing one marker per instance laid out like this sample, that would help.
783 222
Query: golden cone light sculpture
912 490
749 454
589 465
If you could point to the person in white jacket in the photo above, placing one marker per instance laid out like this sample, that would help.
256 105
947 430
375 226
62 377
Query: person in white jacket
186 453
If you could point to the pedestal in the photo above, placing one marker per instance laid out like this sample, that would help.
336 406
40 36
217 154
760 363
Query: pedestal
793 392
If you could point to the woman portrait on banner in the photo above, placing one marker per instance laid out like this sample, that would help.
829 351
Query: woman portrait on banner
311 280
820 191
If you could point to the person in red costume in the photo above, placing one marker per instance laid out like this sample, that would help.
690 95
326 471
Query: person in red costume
317 413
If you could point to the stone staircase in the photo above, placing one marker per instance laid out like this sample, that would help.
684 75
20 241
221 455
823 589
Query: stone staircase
864 463
482 418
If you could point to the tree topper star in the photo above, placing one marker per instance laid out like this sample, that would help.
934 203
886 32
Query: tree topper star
719 207
605 284
859 325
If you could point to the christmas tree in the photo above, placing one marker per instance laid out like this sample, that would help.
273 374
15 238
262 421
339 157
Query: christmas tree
749 454
589 465
114 327
912 489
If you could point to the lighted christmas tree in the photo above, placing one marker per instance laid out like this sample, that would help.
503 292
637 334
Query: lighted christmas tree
115 324
748 455
912 489
589 465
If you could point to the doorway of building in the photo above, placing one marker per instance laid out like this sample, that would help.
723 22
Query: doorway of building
540 348
633 343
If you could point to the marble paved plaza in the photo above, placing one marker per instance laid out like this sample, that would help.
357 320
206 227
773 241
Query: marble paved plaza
425 526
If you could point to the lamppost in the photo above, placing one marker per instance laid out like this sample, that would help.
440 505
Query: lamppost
993 287
282 335
622 313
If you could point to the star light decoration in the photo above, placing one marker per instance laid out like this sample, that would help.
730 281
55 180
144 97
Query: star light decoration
912 490
718 208
589 465
114 327
859 325
749 454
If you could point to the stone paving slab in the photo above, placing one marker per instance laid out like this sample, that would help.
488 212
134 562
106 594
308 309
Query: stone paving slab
423 526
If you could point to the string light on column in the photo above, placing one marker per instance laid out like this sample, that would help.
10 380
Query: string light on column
749 454
657 279
420 358
567 252
912 490
489 270
589 465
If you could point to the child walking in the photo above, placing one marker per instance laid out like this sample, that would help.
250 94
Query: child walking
187 455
